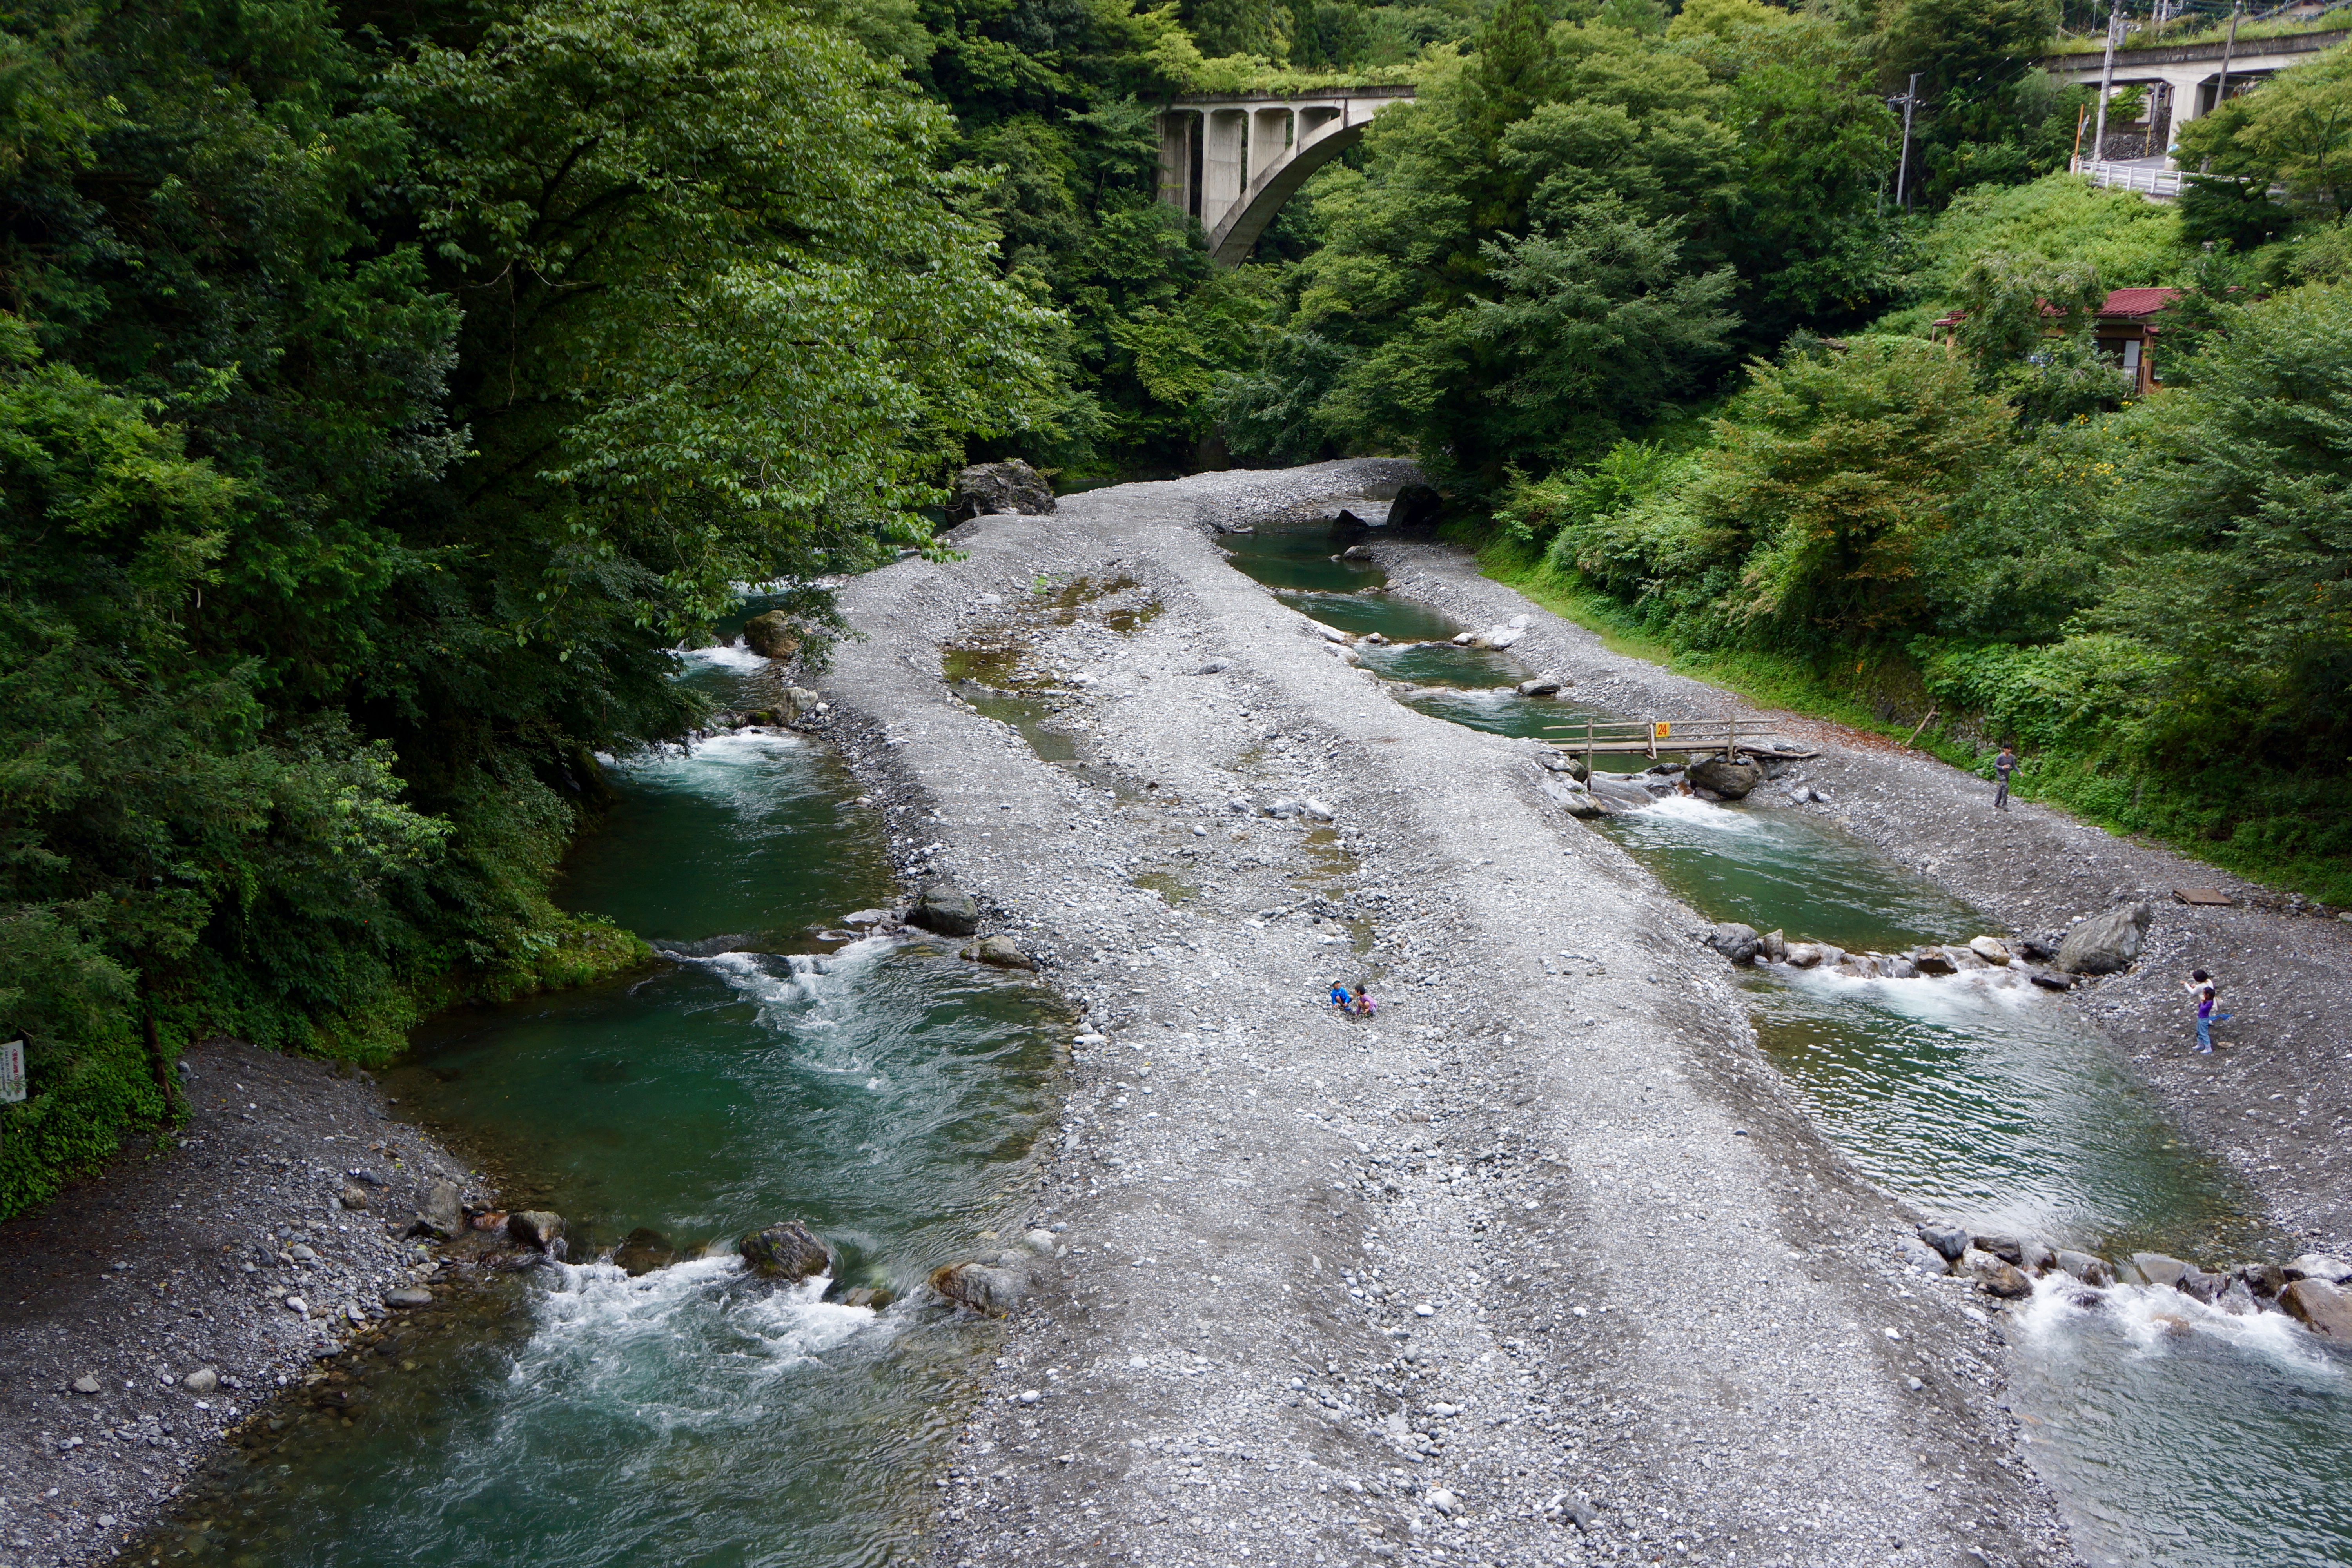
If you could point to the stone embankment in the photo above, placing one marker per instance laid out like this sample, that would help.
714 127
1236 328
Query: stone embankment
1539 1264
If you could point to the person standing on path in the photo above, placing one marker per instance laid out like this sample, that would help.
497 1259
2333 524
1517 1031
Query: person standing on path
2003 766
2201 985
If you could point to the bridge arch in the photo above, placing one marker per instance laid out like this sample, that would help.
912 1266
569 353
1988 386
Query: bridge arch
1232 159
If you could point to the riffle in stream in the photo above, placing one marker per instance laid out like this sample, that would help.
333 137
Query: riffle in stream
2177 1434
884 1092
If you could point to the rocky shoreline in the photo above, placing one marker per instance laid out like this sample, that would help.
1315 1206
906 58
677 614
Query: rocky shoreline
1428 1286
159 1309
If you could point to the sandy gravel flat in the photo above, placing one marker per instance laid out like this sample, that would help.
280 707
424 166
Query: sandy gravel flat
1537 1266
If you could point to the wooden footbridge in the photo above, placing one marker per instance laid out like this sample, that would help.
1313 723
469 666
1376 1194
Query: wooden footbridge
1651 736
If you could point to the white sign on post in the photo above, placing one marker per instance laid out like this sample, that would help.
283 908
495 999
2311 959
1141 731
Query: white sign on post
12 1070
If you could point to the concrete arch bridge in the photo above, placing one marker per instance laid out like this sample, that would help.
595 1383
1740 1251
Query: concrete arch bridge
1232 159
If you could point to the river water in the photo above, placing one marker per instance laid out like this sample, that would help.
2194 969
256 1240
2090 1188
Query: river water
2175 1434
886 1093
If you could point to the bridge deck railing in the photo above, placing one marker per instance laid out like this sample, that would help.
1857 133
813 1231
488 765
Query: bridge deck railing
1651 737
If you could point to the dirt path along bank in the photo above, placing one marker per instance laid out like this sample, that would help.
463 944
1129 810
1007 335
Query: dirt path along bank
1537 1266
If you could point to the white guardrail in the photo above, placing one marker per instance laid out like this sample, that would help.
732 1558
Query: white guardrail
2134 177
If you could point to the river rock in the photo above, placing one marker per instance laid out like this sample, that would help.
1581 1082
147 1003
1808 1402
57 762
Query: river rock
2008 1248
535 1227
2049 982
1803 954
440 1212
2197 1285
999 952
786 1251
1995 1275
1496 637
2238 1301
2323 1307
1933 961
408 1296
988 488
2090 1271
2106 942
2034 1257
1736 941
1991 949
1040 1241
1949 1240
1357 553
1559 761
772 635
642 1251
2320 1265
1328 634
944 908
1774 945
1732 780
1541 686
2040 949
990 1293
204 1380
2264 1279
2158 1268
1918 1256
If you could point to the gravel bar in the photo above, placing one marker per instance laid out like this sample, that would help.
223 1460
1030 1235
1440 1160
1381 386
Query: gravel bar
1539 1265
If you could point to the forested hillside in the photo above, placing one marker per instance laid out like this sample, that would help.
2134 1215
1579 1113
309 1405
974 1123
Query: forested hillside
384 390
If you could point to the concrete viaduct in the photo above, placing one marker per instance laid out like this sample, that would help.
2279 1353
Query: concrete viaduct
2183 81
1232 159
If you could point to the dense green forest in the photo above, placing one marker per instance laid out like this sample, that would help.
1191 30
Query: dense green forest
385 389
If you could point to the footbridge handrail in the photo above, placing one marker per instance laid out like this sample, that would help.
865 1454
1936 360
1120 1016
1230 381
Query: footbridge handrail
1648 737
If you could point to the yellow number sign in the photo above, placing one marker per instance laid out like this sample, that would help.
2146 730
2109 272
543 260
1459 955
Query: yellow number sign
1664 731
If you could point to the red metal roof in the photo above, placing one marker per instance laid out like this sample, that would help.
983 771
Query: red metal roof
2123 303
2138 301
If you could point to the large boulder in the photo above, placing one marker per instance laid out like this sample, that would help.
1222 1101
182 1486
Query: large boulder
990 1293
1736 941
1948 1240
1729 779
1010 486
2322 1266
439 1212
643 1250
2322 1308
2105 943
774 635
944 908
2159 1268
999 952
535 1227
1416 506
786 1251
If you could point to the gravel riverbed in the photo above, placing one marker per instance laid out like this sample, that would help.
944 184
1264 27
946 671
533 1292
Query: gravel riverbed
227 1256
1537 1266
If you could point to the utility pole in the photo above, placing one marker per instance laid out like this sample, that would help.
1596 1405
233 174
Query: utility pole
2107 83
1909 101
2229 47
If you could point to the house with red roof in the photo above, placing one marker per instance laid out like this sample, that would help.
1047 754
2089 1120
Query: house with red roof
2124 327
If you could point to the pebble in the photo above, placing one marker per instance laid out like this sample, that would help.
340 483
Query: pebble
204 1380
1424 1309
1444 1501
1029 1396
296 1304
408 1296
86 1386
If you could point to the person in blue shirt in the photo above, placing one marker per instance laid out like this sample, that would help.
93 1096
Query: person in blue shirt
1339 997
